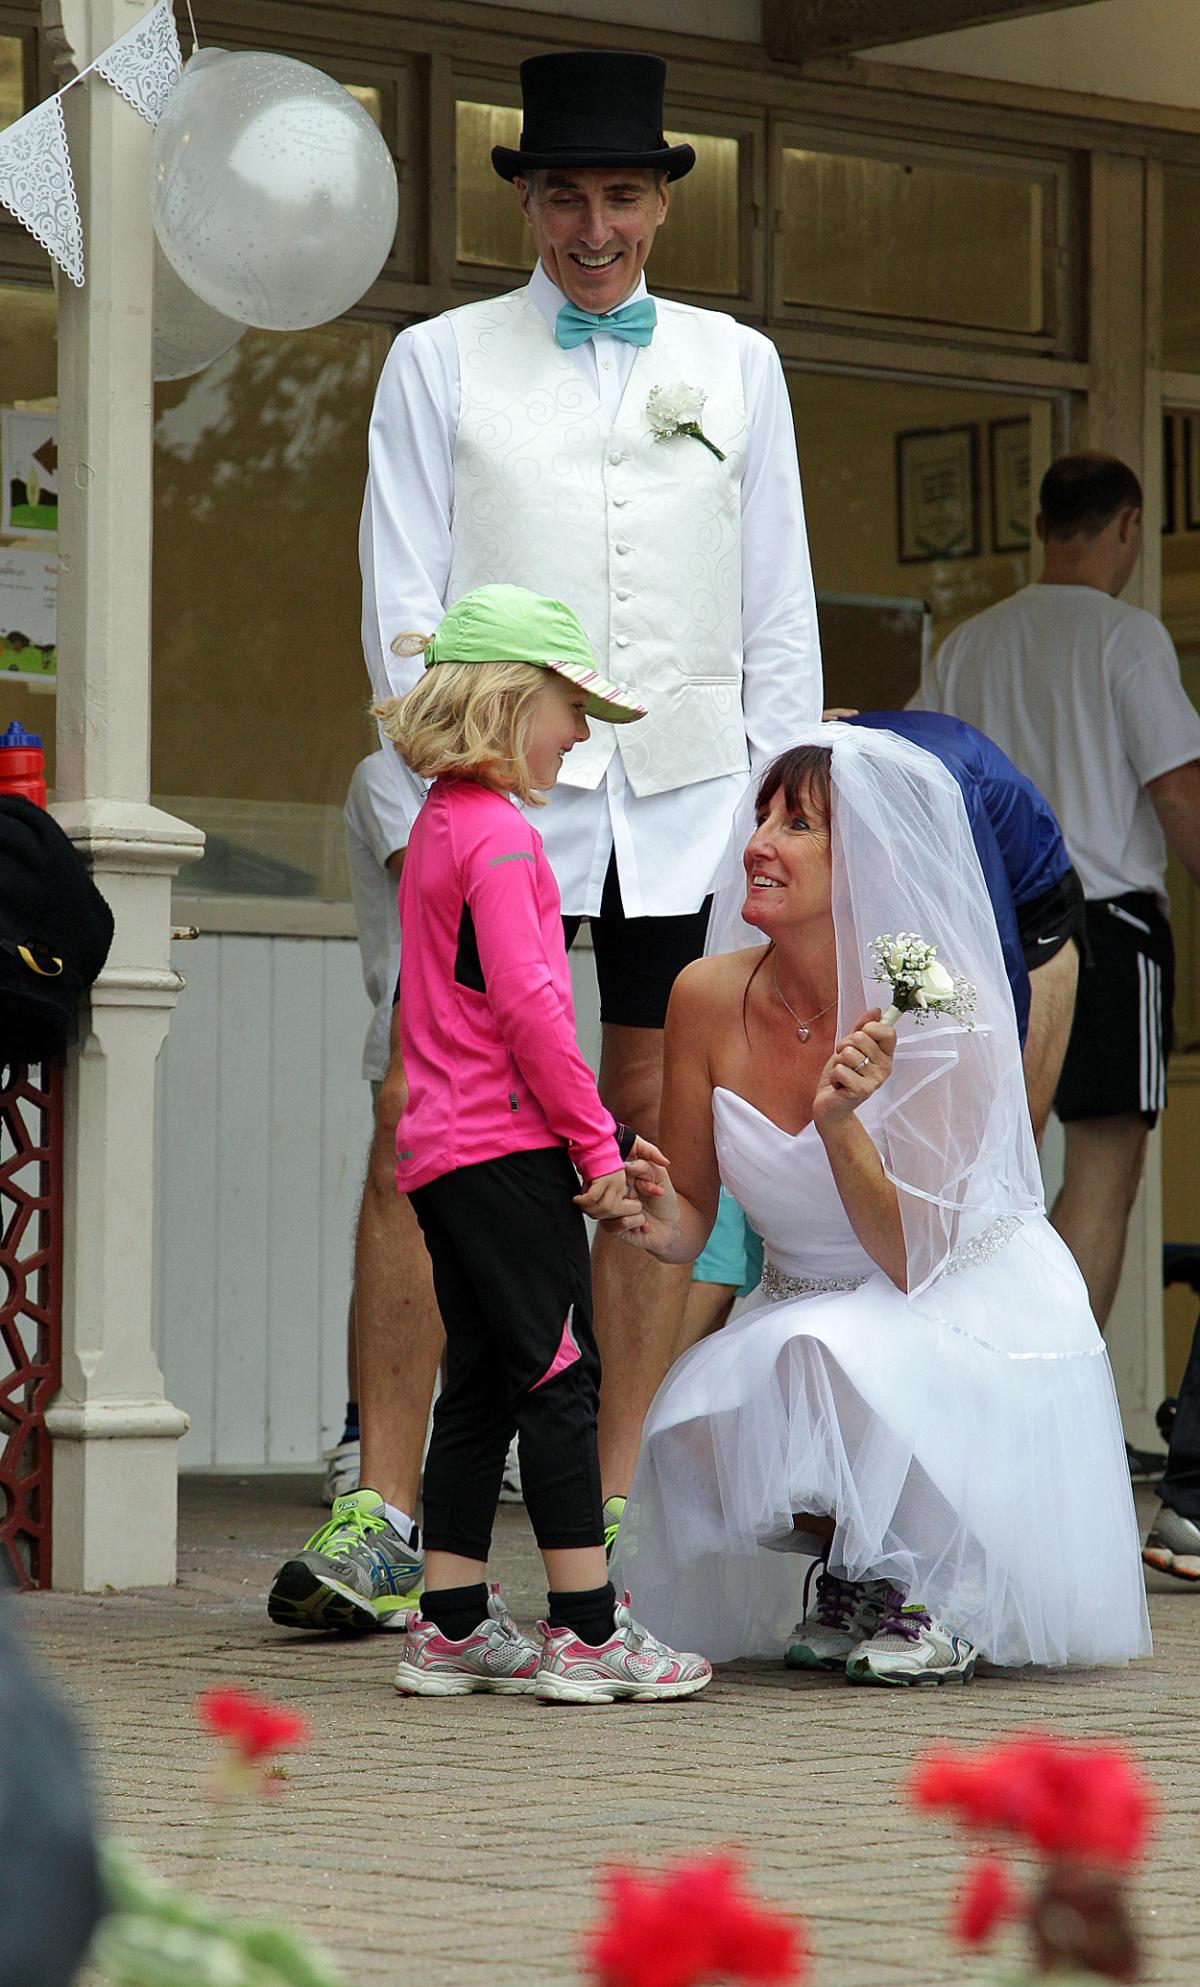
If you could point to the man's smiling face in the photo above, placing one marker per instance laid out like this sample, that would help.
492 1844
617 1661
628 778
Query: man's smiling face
593 228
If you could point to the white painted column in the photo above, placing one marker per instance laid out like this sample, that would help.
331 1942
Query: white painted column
115 1436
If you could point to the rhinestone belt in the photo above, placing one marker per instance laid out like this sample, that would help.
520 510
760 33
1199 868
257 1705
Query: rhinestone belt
778 1286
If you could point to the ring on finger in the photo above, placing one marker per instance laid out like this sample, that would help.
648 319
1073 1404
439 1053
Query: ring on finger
864 1063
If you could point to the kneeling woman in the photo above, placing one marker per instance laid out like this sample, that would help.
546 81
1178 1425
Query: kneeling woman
919 1408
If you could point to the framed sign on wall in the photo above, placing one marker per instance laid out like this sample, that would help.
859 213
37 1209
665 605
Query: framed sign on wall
937 494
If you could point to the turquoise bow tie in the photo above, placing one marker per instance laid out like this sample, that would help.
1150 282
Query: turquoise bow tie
633 322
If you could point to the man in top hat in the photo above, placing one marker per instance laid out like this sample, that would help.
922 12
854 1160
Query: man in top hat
635 458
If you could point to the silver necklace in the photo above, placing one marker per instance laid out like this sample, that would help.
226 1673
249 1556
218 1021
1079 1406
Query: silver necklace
803 1028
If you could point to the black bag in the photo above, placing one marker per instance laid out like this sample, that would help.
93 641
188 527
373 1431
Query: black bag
55 932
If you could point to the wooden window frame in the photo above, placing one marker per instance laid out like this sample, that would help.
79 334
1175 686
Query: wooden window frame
1060 199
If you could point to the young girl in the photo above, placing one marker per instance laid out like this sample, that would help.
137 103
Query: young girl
502 1116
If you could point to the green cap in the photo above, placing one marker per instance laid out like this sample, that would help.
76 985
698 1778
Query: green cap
510 624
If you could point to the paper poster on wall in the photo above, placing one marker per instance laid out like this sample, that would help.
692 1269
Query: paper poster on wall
28 612
29 472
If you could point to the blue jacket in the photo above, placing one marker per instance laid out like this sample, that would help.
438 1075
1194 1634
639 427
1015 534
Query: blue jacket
1016 832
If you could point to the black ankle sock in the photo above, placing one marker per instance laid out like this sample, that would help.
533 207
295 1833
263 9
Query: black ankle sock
350 1430
456 1611
589 1614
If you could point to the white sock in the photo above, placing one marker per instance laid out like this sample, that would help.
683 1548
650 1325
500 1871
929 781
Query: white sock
402 1523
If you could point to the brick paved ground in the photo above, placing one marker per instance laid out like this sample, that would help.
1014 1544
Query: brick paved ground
447 1843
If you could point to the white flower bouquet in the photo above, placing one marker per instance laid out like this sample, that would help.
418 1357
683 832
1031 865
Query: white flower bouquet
920 984
676 410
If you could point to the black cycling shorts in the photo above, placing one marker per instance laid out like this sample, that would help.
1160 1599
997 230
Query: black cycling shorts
638 960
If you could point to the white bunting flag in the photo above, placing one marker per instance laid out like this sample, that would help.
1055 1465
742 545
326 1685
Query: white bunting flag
37 184
145 65
38 187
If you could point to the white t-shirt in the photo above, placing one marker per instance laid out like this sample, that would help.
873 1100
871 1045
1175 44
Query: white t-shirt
381 806
1083 693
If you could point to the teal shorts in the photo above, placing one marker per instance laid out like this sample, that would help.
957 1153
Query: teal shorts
733 1253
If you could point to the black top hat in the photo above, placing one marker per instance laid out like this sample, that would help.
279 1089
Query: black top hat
55 931
592 108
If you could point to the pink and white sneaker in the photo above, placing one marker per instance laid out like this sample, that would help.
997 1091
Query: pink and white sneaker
496 1657
632 1663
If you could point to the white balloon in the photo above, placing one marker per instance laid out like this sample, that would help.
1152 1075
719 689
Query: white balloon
274 196
188 333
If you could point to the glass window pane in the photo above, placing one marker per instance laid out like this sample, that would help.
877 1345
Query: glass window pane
699 245
914 240
1181 259
28 373
260 692
491 226
12 79
892 474
697 249
370 98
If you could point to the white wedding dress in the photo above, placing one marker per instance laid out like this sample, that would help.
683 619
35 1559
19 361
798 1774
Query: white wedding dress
966 1441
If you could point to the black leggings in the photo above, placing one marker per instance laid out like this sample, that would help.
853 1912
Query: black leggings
513 1282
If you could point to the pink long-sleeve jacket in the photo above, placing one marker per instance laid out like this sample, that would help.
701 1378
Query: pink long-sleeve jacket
487 1022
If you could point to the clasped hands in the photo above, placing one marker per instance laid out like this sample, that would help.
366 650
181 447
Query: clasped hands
612 1196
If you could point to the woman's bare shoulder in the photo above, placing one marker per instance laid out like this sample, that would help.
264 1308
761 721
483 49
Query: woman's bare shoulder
708 988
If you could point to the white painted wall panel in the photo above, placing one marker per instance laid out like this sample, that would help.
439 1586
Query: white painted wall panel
186 1209
293 1211
342 1154
263 1128
243 1198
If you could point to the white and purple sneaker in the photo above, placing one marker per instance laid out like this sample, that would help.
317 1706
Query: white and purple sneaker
496 1657
911 1647
632 1663
847 1613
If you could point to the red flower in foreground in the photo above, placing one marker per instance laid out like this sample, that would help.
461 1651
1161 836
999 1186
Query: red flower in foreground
254 1726
988 1897
1080 1800
692 1924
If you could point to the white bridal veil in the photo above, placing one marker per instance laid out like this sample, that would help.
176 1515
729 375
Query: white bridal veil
951 1123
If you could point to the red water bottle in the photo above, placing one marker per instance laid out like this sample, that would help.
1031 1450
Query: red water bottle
22 764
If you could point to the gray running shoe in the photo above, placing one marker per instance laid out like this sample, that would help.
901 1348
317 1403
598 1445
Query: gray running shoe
495 1656
1173 1545
632 1663
912 1648
354 1574
847 1612
341 1470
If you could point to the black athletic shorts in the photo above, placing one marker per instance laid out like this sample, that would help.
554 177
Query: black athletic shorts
1122 1033
638 960
1045 923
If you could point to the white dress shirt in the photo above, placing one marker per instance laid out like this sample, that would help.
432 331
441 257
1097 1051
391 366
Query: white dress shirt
667 845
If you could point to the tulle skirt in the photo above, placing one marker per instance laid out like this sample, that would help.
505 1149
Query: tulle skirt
967 1445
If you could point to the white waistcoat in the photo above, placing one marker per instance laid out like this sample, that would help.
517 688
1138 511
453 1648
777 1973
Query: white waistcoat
641 537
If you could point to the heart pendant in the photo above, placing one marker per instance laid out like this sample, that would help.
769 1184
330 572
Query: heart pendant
803 1032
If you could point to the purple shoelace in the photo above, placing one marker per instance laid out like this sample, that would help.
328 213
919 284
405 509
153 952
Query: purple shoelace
836 1599
895 1621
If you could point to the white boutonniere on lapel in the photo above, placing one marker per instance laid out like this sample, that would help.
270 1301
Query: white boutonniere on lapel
676 410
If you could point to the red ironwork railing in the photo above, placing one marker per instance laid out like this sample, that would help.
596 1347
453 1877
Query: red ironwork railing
31 1161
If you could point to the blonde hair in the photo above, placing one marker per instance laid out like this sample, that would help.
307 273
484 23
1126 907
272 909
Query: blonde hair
470 718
